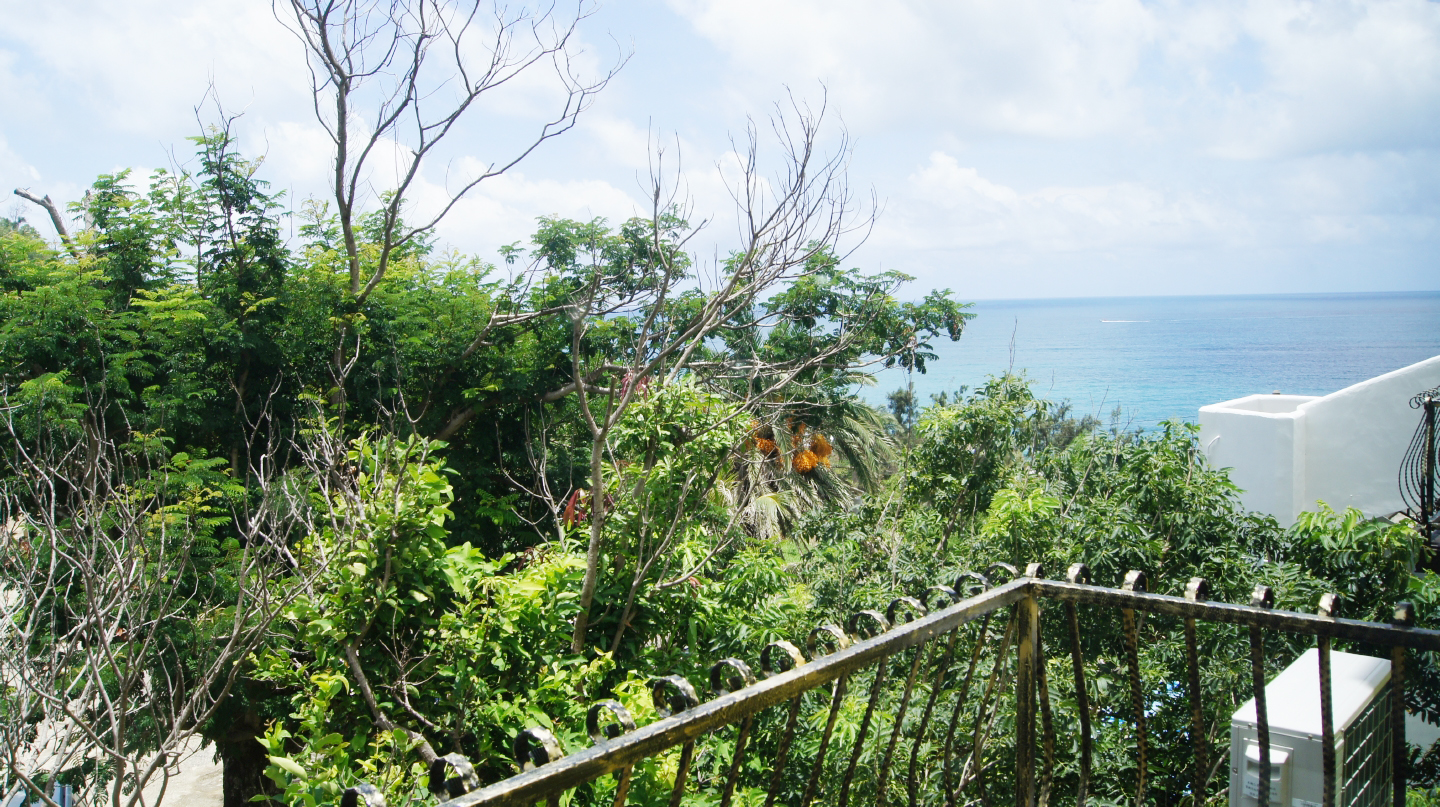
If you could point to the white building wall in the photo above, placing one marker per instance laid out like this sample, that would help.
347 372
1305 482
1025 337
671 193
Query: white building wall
1287 452
1255 437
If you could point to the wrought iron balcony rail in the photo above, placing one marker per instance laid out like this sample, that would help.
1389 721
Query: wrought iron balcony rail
937 755
1420 473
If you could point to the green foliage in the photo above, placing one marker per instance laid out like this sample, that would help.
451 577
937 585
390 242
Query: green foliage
315 767
447 571
1115 501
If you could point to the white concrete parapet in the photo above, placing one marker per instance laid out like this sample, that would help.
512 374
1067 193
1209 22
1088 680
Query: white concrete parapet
1286 452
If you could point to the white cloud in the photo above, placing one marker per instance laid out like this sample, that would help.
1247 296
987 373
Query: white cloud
949 206
504 209
144 66
1312 77
1011 66
1046 136
13 170
297 153
1249 78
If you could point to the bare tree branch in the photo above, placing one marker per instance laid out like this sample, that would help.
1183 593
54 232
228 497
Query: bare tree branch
405 74
111 650
55 218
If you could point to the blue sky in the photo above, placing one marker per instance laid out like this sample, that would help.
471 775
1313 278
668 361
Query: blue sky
1017 148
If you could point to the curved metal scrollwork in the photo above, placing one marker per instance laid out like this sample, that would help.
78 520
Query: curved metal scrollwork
1419 399
970 583
1001 565
779 657
1420 470
362 795
730 675
904 609
825 640
939 596
867 624
672 694
930 704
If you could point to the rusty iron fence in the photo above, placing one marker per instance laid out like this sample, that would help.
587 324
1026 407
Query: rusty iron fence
929 707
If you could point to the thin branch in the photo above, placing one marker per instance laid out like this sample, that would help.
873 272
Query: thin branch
55 219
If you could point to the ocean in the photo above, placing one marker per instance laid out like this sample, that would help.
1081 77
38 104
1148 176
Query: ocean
1164 357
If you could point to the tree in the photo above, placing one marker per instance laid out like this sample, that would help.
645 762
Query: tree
134 582
17 225
405 73
777 321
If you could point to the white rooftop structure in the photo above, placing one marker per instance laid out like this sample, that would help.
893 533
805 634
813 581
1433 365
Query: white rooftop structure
1286 452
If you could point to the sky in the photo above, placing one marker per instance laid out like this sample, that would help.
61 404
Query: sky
1012 148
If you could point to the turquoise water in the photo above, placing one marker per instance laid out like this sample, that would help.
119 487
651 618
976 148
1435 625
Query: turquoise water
1165 357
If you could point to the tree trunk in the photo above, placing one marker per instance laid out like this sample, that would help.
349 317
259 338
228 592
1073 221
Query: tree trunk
592 554
244 761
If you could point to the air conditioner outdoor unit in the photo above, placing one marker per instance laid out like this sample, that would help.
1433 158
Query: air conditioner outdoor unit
1360 695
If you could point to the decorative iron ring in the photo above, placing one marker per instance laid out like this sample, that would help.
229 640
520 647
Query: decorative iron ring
534 747
672 694
879 624
990 570
941 591
1404 615
979 579
624 722
908 607
1197 590
832 634
362 794
1262 597
1421 397
730 675
790 658
452 775
1135 581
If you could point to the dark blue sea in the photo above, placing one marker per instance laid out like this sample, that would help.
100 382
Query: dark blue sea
1164 357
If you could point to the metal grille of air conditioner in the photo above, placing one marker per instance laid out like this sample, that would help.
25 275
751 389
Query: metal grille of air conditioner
1365 772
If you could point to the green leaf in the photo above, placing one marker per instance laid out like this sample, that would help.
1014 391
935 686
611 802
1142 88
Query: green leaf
289 765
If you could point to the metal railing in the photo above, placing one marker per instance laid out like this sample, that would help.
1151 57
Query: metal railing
1420 473
943 757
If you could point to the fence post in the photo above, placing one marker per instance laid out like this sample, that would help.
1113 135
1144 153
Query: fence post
1028 632
1399 750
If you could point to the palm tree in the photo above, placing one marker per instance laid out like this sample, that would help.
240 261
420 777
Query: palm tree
806 457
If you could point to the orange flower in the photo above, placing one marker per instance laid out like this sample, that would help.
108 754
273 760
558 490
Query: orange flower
805 462
820 446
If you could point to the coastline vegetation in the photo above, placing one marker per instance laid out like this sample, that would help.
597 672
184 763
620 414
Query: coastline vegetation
333 591
339 506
